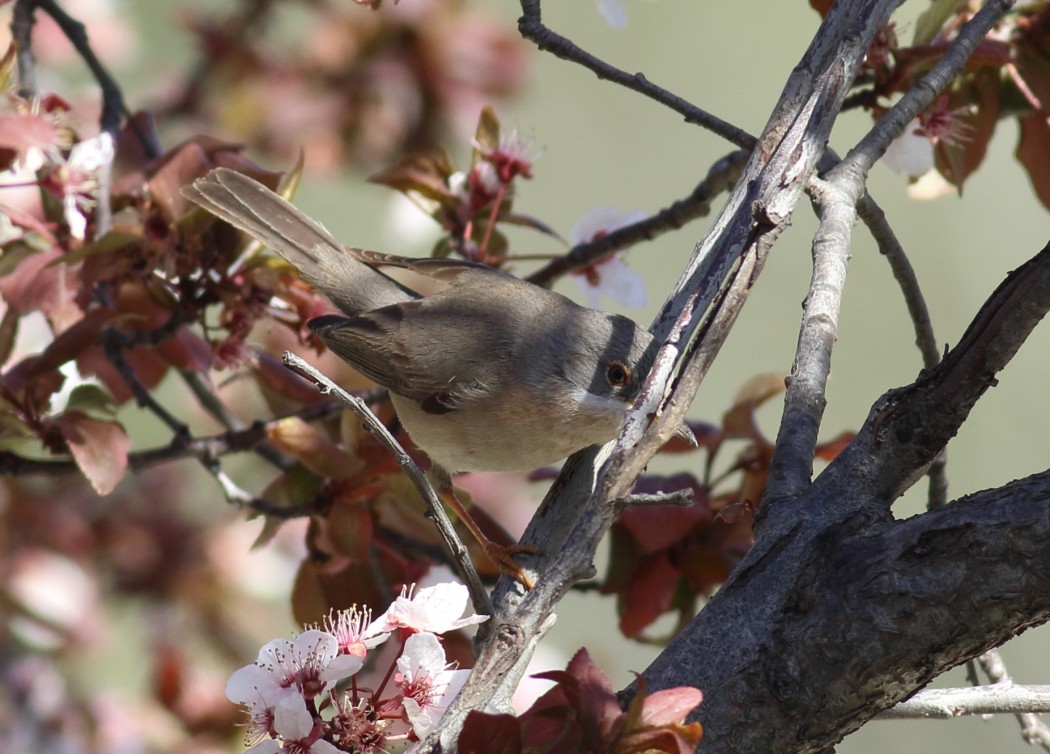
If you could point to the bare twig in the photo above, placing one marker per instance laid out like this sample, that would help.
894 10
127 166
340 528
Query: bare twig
1000 698
531 27
23 17
203 449
114 108
721 177
114 342
909 426
890 247
676 498
460 556
1033 730
204 392
791 468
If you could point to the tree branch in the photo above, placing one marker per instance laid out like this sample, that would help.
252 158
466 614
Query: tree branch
836 622
1033 730
531 27
791 468
875 219
996 699
908 427
721 177
759 206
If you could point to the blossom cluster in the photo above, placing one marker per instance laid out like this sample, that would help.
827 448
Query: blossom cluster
302 695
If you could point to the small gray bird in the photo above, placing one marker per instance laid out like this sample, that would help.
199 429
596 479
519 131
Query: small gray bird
491 373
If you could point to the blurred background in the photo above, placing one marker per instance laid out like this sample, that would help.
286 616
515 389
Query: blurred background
596 145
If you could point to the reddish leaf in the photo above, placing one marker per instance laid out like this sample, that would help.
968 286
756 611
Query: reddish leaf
319 454
589 692
423 178
677 739
36 285
278 381
1033 151
100 448
349 528
670 705
649 595
821 6
169 675
490 734
739 420
656 529
190 160
146 363
187 350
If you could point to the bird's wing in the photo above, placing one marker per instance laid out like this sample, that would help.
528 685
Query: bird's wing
371 343
453 272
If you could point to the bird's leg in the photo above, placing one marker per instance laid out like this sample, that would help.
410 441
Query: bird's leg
501 555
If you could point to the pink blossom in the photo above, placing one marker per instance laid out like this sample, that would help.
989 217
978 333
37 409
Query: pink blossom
428 684
436 609
911 153
354 631
78 179
609 276
614 13
287 673
298 734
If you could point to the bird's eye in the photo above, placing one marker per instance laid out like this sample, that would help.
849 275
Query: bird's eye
618 374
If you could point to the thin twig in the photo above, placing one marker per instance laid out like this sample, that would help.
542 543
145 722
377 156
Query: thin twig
791 468
114 342
204 392
890 247
460 556
999 698
204 449
676 498
721 177
23 17
531 27
114 109
1033 730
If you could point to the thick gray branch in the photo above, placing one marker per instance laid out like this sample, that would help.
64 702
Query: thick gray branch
828 627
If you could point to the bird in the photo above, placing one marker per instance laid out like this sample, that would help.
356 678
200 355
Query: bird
488 373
